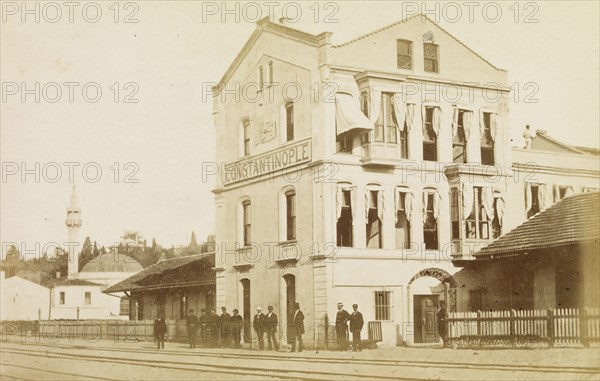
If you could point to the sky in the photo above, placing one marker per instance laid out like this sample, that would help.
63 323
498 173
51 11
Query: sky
122 100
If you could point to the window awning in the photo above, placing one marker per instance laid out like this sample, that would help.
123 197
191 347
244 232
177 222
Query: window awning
348 117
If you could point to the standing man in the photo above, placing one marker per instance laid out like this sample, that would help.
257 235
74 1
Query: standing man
160 329
271 326
211 329
224 319
297 329
356 325
441 321
237 322
202 326
341 327
192 328
259 327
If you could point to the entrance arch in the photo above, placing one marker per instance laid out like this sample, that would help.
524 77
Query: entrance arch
422 306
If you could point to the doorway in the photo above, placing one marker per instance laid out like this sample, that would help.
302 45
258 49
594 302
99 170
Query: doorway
246 308
290 299
425 313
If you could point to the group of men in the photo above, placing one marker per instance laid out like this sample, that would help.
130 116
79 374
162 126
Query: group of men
356 321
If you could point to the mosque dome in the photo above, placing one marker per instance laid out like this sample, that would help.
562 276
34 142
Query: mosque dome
112 263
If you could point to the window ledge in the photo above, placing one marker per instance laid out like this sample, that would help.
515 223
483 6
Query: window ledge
288 242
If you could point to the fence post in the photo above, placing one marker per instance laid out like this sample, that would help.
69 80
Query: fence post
479 323
583 328
550 327
512 328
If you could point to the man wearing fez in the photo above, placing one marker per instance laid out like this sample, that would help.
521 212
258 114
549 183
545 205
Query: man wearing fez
192 328
271 328
296 330
259 327
224 319
356 325
341 327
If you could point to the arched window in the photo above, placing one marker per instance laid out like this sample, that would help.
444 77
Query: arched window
290 214
246 222
374 206
244 137
431 209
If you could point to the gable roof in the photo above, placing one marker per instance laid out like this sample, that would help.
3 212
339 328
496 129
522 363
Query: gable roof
169 273
545 142
410 18
64 281
573 220
265 25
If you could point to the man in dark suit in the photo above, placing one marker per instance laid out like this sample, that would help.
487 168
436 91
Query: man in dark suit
211 329
441 321
341 327
224 319
236 324
160 330
202 326
259 327
192 328
271 328
297 329
356 325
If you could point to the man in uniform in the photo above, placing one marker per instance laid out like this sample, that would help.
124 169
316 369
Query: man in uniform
341 327
259 327
192 328
160 329
356 325
271 327
297 328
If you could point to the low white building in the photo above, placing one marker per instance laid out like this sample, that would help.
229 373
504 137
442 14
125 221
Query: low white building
21 299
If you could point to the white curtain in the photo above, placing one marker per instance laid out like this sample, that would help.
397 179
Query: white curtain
454 120
437 202
527 197
339 200
493 125
374 105
408 205
410 115
380 202
542 196
481 124
425 204
487 199
500 209
399 110
467 120
556 192
437 120
467 198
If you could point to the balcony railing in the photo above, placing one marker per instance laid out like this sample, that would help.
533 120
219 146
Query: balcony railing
380 153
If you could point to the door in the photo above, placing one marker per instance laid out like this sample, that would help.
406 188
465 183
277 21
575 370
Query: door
290 300
425 313
246 308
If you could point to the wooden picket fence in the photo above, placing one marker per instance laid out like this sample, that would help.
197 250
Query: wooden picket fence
556 327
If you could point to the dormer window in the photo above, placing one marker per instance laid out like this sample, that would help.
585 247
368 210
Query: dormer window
404 54
430 54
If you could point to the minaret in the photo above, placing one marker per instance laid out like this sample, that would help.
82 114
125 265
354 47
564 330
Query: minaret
73 223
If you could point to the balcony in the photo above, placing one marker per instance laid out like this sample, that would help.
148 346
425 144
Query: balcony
380 153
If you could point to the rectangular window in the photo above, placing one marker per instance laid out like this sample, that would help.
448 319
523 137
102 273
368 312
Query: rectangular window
62 297
454 213
88 298
344 143
477 224
404 51
390 119
246 137
430 54
261 78
289 117
380 122
364 103
429 137
535 202
430 231
477 299
247 222
459 141
373 222
487 144
290 203
402 224
383 307
344 223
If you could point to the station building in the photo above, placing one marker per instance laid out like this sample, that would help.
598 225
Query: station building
365 172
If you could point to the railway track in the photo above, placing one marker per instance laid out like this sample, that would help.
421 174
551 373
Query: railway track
270 357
